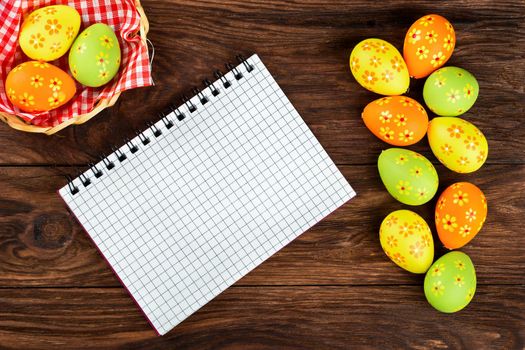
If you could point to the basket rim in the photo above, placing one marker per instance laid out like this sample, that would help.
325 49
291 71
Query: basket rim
18 123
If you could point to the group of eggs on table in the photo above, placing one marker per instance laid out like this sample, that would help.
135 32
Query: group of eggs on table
461 209
46 35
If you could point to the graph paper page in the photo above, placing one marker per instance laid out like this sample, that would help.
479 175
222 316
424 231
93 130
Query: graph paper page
209 199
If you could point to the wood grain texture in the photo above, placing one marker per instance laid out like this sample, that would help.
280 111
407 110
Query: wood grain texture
266 318
342 249
333 287
306 45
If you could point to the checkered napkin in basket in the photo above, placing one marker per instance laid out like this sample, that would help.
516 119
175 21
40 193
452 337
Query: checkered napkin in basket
121 15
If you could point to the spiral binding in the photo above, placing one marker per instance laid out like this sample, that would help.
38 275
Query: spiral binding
168 122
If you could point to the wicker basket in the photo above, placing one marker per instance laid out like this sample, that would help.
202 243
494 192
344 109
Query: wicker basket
19 124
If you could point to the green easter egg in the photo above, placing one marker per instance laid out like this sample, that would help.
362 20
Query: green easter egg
408 176
450 91
94 58
450 283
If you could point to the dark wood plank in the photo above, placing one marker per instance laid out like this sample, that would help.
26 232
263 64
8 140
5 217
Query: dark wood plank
306 45
395 317
41 244
331 288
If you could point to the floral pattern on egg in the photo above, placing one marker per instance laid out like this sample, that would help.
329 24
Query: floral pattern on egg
378 66
407 240
95 56
408 176
450 91
39 86
429 43
460 213
450 283
397 120
47 33
457 144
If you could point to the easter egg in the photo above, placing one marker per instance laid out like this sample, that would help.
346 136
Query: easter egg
94 58
460 213
458 144
429 43
406 239
39 86
397 120
379 67
450 283
450 91
47 33
408 176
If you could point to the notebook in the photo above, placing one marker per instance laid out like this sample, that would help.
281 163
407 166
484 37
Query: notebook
207 193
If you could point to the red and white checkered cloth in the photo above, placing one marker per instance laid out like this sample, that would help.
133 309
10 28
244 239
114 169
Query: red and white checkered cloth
121 15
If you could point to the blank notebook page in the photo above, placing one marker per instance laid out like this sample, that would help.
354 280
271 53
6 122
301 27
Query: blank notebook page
203 204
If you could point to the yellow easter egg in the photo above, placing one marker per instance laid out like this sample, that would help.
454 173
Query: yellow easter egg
48 32
458 144
379 67
407 240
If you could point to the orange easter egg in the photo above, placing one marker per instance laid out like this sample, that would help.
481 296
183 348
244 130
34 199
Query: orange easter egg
397 120
39 87
429 43
461 211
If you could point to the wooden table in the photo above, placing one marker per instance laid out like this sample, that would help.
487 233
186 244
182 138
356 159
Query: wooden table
331 288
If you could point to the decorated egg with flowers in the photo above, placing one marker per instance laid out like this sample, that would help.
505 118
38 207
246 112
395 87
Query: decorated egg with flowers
458 144
35 86
378 66
48 32
408 176
429 43
406 239
450 91
450 283
460 213
94 58
397 120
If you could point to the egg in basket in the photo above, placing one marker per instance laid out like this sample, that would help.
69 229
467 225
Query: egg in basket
63 64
